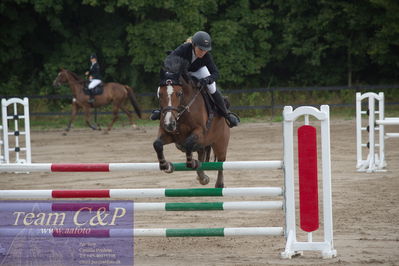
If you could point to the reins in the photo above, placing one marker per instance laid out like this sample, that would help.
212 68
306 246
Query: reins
187 107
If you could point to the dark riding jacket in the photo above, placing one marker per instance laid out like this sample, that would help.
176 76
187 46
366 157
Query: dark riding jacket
186 51
95 71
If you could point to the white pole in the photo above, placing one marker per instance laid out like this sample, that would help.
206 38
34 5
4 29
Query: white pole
371 162
289 184
381 132
5 131
326 168
27 131
359 130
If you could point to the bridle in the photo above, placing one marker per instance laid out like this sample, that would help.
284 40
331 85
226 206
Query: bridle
181 109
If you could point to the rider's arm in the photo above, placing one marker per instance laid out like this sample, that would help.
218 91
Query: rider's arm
208 61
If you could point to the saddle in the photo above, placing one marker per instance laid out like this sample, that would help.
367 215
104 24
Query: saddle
210 105
97 90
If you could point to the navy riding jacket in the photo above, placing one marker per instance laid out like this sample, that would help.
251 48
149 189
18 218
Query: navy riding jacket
95 71
186 51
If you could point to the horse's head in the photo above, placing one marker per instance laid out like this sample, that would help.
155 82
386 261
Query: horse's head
61 78
173 89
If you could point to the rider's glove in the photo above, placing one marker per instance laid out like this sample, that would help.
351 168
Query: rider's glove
205 81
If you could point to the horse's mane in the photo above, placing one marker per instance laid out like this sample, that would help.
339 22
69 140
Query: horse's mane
175 64
75 76
175 67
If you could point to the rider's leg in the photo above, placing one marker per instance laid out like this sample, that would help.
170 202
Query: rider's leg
232 119
92 85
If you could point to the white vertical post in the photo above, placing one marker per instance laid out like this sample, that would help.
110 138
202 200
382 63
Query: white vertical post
5 130
326 170
359 130
289 182
27 131
371 142
381 131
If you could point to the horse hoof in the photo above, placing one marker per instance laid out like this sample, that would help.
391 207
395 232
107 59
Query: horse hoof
193 164
167 167
204 180
64 134
170 169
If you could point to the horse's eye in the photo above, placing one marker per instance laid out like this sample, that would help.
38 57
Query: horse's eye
160 95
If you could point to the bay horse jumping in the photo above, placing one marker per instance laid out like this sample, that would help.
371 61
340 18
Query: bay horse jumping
113 92
184 121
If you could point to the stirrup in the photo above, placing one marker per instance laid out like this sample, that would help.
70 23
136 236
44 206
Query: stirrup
91 100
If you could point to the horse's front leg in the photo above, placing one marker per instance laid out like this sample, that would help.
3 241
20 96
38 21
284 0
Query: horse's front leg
191 144
158 144
75 109
203 156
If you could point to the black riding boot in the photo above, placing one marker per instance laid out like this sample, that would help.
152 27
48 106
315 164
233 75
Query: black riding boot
155 115
231 119
91 99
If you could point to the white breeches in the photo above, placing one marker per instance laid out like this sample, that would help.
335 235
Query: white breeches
94 83
203 72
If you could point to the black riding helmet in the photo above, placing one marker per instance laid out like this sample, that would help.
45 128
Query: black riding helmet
92 56
202 40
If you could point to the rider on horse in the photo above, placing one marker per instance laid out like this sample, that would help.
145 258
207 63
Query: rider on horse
94 76
203 68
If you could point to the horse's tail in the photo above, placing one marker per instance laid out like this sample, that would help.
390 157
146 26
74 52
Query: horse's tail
133 100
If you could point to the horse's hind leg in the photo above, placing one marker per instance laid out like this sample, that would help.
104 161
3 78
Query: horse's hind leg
203 155
220 153
129 116
115 116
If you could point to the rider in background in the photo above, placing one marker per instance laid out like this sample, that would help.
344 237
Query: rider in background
196 52
94 76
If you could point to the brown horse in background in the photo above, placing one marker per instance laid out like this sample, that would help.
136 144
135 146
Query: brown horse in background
184 121
114 93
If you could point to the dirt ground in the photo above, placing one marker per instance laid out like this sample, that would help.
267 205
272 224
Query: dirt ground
365 206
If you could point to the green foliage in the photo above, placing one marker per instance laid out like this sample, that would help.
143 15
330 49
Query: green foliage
255 43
